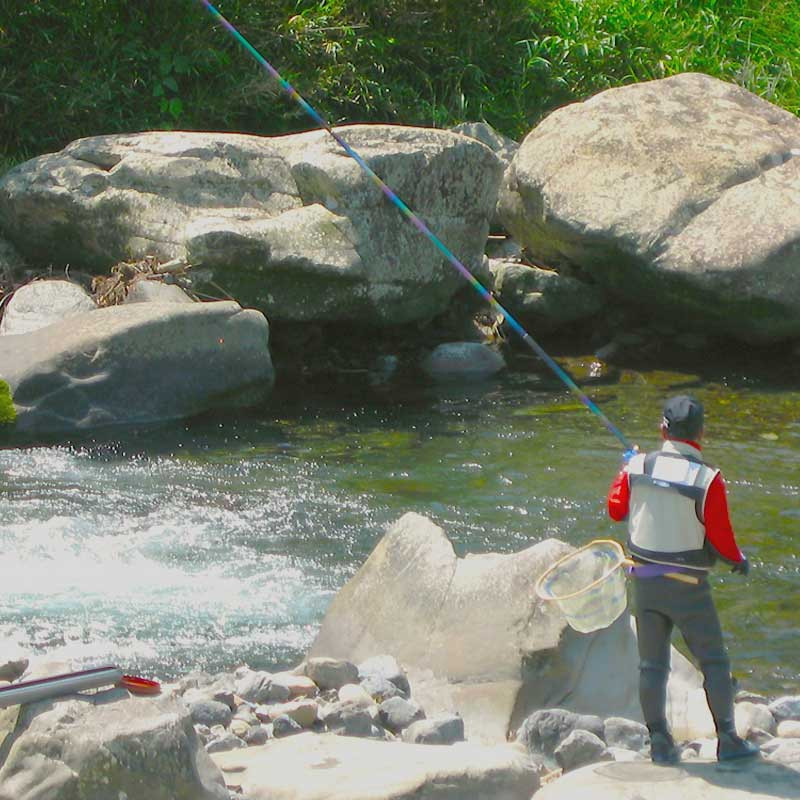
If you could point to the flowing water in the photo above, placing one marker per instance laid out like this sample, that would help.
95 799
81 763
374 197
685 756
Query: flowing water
221 541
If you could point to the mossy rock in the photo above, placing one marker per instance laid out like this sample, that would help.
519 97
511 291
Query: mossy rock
8 414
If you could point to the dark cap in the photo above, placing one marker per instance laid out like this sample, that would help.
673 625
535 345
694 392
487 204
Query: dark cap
683 417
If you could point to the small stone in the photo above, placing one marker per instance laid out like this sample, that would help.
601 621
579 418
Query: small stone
789 729
239 728
397 713
331 673
355 694
380 688
785 708
440 730
224 743
387 667
787 752
210 712
298 685
622 754
258 687
753 715
580 748
258 734
285 726
625 733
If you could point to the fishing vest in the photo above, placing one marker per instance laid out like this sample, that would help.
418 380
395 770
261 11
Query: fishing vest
668 490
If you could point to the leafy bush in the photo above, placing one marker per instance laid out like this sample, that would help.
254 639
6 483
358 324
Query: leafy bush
87 67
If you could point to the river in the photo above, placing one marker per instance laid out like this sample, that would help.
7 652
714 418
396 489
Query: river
221 541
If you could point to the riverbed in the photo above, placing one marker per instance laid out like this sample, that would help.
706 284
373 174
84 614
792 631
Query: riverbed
221 541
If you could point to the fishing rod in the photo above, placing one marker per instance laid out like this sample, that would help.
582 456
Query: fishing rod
423 228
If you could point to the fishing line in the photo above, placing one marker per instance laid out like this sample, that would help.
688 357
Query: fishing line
422 228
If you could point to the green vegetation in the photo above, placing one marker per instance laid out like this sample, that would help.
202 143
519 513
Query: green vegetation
88 67
8 414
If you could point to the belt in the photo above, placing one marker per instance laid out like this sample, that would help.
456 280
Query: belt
662 570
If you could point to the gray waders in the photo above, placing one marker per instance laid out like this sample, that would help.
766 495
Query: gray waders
664 603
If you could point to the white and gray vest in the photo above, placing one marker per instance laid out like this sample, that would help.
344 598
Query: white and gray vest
668 490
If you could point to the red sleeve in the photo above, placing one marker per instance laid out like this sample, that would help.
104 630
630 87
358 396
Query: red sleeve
618 497
719 531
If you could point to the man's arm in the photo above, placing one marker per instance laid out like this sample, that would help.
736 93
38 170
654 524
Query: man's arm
719 531
619 496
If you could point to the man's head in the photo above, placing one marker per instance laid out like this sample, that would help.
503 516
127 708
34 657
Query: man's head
682 418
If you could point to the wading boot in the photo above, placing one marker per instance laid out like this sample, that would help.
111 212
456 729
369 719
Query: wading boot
731 746
663 749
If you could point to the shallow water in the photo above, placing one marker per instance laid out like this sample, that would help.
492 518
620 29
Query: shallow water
222 541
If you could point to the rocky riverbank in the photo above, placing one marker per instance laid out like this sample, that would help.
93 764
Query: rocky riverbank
448 691
657 215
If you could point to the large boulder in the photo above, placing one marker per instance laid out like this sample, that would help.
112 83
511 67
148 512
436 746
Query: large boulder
107 746
290 225
329 767
474 638
137 363
678 194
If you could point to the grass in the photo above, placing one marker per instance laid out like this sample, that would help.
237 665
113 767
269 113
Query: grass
8 414
105 66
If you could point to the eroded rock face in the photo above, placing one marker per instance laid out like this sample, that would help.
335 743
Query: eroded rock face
137 363
680 193
105 747
474 638
290 225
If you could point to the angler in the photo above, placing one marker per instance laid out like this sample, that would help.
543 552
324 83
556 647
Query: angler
678 527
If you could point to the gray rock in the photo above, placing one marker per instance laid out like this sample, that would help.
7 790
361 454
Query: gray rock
440 730
784 708
93 747
787 752
623 754
228 741
542 297
385 666
354 722
580 748
456 360
13 670
667 192
136 364
210 712
41 303
331 673
288 225
502 146
397 713
380 688
544 730
258 687
348 718
156 291
625 733
257 735
750 716
285 726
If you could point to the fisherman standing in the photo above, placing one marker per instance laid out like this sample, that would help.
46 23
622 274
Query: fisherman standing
678 526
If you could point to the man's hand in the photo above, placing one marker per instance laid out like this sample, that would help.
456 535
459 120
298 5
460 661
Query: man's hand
629 454
743 567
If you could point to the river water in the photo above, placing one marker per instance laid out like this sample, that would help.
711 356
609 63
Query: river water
221 541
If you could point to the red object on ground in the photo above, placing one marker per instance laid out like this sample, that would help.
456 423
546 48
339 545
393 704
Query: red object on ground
136 685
